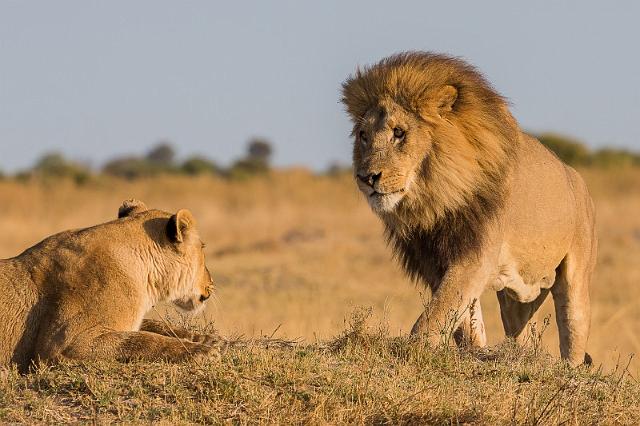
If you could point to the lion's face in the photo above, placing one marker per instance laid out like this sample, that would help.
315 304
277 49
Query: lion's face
178 269
192 279
390 146
201 286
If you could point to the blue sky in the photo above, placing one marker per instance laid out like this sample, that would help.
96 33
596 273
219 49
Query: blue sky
98 79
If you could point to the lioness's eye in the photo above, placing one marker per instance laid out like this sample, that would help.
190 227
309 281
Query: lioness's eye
398 133
363 136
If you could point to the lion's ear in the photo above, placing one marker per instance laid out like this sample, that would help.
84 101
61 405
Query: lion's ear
131 207
180 225
445 98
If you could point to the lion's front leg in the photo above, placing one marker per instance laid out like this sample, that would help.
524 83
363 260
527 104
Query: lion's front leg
471 330
164 329
455 308
134 345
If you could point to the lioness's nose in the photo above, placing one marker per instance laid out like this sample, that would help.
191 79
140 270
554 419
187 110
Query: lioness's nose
206 294
370 179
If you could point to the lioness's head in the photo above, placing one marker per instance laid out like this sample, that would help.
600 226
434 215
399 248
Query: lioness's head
428 129
179 272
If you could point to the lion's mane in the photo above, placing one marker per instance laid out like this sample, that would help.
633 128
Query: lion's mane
461 182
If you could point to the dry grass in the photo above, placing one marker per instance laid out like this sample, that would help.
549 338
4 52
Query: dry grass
363 376
294 253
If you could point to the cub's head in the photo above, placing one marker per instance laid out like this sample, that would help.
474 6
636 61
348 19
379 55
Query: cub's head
176 260
427 130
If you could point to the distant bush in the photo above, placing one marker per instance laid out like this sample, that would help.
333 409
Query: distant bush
245 168
55 165
162 155
259 150
198 165
575 153
338 169
255 162
609 157
160 159
132 168
569 150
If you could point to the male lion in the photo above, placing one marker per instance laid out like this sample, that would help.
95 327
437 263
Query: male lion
469 201
82 294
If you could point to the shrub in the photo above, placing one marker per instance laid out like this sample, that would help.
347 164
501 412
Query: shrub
162 154
132 168
569 150
255 162
55 165
259 150
338 169
198 165
247 167
609 157
160 159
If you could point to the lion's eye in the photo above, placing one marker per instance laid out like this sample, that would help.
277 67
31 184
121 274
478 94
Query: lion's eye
363 136
398 133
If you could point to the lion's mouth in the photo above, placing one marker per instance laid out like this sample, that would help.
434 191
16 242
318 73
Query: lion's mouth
188 304
385 201
383 194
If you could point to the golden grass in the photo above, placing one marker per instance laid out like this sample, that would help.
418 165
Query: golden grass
293 254
361 377
297 252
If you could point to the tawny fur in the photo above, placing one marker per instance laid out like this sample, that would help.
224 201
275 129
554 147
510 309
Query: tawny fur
82 294
469 201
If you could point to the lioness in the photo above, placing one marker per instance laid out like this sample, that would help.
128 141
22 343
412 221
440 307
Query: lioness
82 294
469 201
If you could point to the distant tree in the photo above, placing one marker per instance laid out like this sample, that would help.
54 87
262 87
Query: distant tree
23 176
611 157
575 153
131 168
162 154
245 168
568 149
55 165
256 160
198 165
338 169
51 164
259 149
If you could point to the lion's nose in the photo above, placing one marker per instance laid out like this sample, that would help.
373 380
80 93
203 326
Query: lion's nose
370 179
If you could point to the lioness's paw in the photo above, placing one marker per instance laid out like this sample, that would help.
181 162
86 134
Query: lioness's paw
206 339
201 351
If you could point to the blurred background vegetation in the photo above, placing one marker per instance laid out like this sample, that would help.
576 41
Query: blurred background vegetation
577 154
162 159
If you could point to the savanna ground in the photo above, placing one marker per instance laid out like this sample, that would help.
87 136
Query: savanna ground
300 257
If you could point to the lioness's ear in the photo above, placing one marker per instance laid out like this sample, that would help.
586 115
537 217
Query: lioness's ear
444 99
131 207
180 225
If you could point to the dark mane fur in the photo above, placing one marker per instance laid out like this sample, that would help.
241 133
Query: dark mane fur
426 254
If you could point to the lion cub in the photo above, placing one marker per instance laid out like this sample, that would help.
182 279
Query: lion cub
82 294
